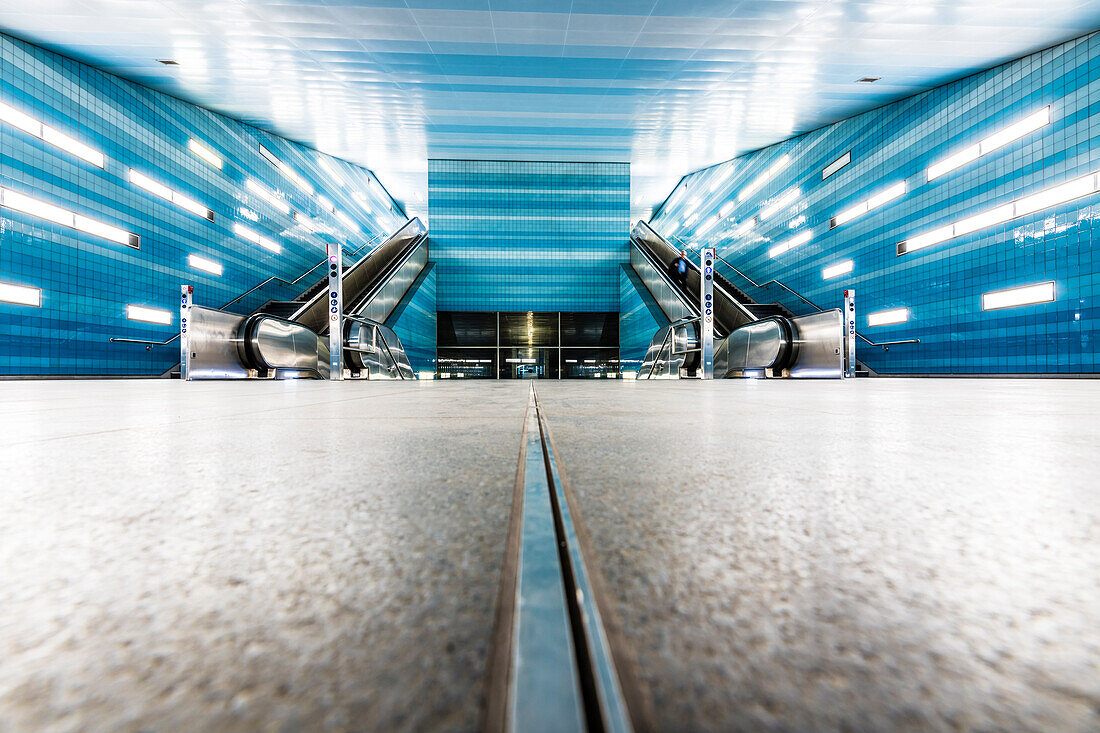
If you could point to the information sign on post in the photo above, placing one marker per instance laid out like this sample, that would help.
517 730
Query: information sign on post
187 293
706 298
336 311
850 333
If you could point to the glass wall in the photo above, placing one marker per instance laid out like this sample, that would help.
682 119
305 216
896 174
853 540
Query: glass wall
513 235
528 345
965 217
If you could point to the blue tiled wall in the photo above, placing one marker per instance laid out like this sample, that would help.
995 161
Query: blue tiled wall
86 281
413 320
639 319
942 285
512 236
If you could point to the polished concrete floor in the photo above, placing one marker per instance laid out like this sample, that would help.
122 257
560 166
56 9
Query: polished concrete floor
867 555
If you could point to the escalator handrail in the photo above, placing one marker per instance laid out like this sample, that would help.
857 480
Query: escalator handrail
661 273
385 276
743 308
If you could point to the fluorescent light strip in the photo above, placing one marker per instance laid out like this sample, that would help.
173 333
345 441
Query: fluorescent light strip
42 210
20 295
1061 194
268 196
287 171
51 135
883 197
780 203
997 140
159 189
790 244
764 177
201 263
745 227
149 315
727 208
840 268
331 170
245 233
720 179
205 153
1012 297
347 221
708 224
887 318
304 221
326 204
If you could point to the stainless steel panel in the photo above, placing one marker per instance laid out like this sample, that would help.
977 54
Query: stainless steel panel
669 300
379 304
668 351
361 275
820 341
289 346
213 344
376 352
755 346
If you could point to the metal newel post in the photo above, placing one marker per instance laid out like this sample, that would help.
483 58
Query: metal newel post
186 298
850 333
706 298
336 311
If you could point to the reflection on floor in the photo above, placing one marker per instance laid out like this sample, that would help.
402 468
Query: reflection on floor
876 554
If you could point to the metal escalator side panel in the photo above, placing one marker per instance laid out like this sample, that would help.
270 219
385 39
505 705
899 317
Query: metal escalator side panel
379 301
283 345
670 300
213 340
729 313
764 344
363 275
819 338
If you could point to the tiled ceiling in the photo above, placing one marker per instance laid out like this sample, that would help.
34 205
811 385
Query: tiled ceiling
668 85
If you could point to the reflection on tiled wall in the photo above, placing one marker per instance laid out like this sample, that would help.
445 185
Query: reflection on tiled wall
512 236
966 217
639 319
114 195
414 321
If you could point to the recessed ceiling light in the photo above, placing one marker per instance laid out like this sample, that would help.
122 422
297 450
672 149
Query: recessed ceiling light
868 80
168 62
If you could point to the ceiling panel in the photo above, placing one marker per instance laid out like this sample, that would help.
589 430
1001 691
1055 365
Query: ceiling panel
668 85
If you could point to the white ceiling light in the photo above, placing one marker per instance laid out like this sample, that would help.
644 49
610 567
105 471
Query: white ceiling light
205 153
790 244
891 193
840 268
48 134
245 233
999 139
782 202
42 210
1012 297
268 196
764 177
1053 196
149 315
886 318
158 189
201 263
287 171
20 294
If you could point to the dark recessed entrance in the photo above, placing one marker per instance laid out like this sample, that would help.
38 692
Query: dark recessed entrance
527 345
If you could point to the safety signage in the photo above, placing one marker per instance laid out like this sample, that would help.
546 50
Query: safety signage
336 311
850 333
706 299
187 293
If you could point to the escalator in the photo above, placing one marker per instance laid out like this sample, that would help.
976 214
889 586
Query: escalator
751 339
287 339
